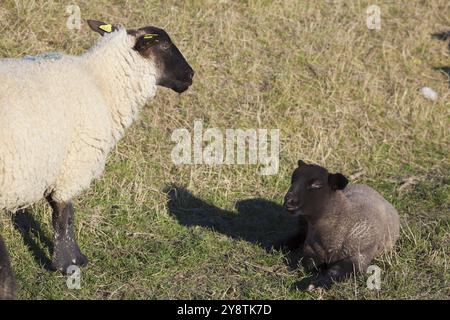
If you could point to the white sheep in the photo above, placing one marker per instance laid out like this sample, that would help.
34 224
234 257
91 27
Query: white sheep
61 115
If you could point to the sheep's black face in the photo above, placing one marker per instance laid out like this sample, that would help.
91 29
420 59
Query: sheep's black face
173 71
311 186
154 44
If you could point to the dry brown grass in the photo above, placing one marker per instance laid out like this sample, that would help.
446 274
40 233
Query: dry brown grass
342 96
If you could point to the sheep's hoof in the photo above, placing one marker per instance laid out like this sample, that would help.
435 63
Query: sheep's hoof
311 287
322 283
63 264
66 256
316 289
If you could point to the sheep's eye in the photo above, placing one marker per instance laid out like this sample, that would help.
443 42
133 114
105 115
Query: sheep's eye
165 46
314 184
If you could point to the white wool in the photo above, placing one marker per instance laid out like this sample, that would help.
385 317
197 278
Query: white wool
59 118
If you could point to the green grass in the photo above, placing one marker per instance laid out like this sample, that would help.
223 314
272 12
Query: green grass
342 96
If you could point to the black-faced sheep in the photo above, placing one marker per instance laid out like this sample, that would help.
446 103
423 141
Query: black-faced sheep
347 225
60 117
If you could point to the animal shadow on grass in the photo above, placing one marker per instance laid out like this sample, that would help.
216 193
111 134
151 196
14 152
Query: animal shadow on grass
444 36
258 221
32 235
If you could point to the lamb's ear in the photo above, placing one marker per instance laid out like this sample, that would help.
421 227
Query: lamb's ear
337 181
300 163
101 27
145 41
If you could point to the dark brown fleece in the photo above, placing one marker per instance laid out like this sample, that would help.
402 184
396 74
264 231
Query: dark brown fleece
347 225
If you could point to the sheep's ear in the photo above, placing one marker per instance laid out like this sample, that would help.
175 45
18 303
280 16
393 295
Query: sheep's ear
337 181
301 163
101 27
145 41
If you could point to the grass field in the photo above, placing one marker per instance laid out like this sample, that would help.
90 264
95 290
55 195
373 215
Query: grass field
342 95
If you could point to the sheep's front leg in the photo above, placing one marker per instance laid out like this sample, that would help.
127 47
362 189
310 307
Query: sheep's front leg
294 242
313 255
66 251
336 271
7 280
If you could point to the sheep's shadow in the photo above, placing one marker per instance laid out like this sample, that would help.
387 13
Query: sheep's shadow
32 235
257 220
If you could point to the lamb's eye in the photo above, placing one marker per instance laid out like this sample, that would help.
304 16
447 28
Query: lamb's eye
314 184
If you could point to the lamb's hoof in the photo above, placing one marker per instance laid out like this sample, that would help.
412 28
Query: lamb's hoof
311 287
63 259
322 283
314 288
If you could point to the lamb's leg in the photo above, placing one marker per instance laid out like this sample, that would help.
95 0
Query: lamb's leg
66 251
294 242
7 280
337 271
312 256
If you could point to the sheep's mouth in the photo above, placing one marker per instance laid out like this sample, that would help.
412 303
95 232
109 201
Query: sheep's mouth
292 209
181 87
178 86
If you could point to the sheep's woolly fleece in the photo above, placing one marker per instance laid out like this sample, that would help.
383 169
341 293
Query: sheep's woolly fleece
363 226
376 219
60 117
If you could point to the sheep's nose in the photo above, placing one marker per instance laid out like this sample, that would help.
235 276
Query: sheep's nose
191 74
290 200
188 75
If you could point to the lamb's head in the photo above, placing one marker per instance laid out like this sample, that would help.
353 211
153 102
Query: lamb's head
154 44
311 187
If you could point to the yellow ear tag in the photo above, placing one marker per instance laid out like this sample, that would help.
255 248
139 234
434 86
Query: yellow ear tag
150 36
106 27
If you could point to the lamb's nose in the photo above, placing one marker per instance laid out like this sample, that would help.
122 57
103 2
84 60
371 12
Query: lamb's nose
289 200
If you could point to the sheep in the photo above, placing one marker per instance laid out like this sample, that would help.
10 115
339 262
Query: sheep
347 225
7 281
61 116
